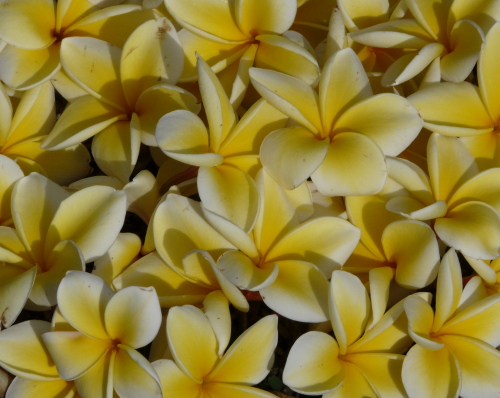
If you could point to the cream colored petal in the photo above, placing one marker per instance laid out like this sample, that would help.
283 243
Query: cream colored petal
355 165
95 66
230 193
157 101
487 77
142 195
355 385
292 154
228 390
197 268
12 249
133 316
6 111
482 269
313 366
431 17
413 246
24 69
10 173
410 65
14 292
133 375
82 299
420 320
484 148
478 362
28 24
98 381
82 119
453 109
290 95
151 54
349 306
264 16
241 271
481 187
431 373
23 388
472 228
255 348
66 86
35 200
300 292
466 41
388 119
242 78
473 292
93 230
326 242
411 177
449 289
413 210
23 352
174 382
74 353
216 308
302 199
343 83
183 136
220 114
283 55
212 19
450 165
233 294
379 284
192 341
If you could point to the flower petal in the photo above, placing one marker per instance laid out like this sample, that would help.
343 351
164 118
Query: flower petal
487 77
265 16
313 366
14 292
174 383
236 391
420 320
216 308
98 381
48 389
10 173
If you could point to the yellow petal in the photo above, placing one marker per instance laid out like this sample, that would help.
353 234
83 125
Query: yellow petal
213 20
10 173
95 65
326 242
487 77
133 375
74 353
466 41
379 283
6 111
67 11
359 15
411 177
242 78
313 366
420 320
235 391
355 384
133 316
430 17
484 148
454 109
31 388
388 119
14 293
67 87
283 55
216 308
355 165
302 199
174 382
28 24
23 352
98 381
23 69
413 246
484 271
472 228
82 119
192 341
152 54
300 292
450 165
449 289
482 187
265 16
255 348
12 249
94 230
290 95
343 83
431 373
142 195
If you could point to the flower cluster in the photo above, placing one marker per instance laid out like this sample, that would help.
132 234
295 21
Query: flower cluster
225 199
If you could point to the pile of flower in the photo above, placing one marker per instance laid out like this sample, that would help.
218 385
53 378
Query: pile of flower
190 190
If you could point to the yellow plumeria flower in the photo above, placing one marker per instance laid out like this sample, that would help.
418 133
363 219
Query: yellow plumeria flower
34 29
23 353
200 367
364 359
465 110
451 36
344 133
23 129
248 31
130 91
456 342
226 153
101 354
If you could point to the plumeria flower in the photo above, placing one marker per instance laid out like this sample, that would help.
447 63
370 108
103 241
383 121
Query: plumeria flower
364 359
201 367
23 353
34 29
130 91
226 153
22 130
55 232
449 38
456 342
464 110
247 31
344 133
100 356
